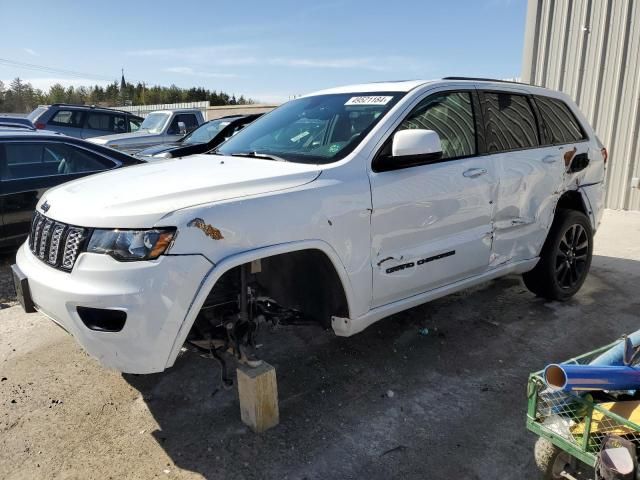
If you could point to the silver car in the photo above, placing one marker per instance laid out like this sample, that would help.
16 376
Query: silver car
83 121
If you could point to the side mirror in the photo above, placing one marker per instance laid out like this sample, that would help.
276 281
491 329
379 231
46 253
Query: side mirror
182 128
410 148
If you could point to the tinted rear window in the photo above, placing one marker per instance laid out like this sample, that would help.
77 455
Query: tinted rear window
558 122
36 113
510 122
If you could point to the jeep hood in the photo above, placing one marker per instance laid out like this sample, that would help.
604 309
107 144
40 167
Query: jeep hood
141 195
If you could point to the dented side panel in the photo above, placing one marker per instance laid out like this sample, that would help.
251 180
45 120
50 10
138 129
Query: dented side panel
531 182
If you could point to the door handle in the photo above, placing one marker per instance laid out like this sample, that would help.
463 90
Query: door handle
474 172
549 159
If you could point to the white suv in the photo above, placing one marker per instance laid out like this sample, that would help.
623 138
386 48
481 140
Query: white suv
344 206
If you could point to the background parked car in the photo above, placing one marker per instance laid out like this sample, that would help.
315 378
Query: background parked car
16 122
161 126
204 138
31 161
83 121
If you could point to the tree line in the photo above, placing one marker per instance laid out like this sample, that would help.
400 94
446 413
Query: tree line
21 97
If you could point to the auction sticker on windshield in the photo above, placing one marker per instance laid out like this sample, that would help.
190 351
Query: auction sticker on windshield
369 100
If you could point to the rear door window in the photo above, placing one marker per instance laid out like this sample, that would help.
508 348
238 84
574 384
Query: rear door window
72 159
509 122
559 124
67 118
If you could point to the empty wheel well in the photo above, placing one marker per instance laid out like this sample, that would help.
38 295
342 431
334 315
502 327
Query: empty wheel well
304 280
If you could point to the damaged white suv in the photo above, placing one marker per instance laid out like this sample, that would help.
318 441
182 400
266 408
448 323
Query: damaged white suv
344 206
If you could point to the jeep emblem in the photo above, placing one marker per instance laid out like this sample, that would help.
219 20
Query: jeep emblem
45 206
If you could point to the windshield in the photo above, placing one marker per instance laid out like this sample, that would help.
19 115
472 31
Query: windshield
319 129
36 113
206 132
154 122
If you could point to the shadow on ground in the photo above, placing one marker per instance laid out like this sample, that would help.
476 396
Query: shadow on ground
392 402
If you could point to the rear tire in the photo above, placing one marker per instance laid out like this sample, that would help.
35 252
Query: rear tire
565 258
550 460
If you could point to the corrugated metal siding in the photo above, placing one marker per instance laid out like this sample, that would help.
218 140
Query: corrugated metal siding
590 49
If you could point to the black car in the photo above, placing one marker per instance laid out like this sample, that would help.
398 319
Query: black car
31 161
204 138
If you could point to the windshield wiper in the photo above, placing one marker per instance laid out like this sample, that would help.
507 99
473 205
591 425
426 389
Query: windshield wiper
259 155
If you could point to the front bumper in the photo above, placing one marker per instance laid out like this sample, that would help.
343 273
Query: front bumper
155 295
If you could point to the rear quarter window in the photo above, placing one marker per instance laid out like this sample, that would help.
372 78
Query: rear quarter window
559 124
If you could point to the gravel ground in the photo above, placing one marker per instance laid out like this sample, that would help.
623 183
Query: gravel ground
395 401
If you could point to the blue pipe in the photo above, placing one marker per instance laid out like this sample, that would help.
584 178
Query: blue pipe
568 377
615 355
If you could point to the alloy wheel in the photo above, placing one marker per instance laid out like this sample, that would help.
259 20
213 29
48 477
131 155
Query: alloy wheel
572 256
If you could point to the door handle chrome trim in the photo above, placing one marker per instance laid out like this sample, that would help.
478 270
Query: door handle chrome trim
474 172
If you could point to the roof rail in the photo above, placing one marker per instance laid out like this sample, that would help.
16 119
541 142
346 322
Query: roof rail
481 79
88 106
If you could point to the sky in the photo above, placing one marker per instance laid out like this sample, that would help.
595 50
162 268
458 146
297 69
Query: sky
267 50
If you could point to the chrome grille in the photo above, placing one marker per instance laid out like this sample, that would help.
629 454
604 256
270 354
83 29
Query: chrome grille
56 243
44 238
71 247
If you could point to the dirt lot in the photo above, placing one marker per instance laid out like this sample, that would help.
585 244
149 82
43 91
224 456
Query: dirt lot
387 403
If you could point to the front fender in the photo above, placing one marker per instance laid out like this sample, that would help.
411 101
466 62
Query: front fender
237 259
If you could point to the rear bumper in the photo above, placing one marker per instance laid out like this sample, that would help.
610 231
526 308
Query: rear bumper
154 294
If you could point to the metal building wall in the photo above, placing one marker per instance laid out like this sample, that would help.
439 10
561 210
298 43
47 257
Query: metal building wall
590 49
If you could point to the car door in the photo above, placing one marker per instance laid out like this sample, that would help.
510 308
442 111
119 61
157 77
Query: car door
431 223
529 174
28 169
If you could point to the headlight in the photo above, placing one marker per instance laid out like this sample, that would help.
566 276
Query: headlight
127 245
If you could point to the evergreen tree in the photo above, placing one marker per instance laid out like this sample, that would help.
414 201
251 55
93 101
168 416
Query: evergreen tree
21 97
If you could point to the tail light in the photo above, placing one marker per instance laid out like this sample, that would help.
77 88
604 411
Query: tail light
605 154
40 126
